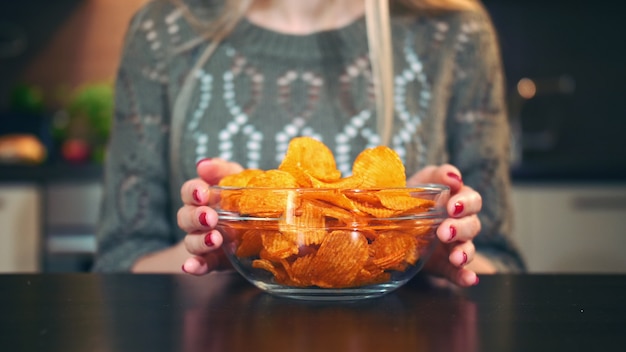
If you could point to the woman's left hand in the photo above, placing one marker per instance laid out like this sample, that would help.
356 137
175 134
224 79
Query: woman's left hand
455 251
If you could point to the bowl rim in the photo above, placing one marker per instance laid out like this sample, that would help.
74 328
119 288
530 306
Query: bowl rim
433 189
420 187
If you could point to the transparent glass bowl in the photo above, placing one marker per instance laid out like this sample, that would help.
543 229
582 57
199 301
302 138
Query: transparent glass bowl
329 244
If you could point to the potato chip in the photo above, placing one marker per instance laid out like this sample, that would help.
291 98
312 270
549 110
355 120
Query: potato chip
250 244
379 167
346 215
332 199
402 201
307 228
240 179
307 158
230 199
299 271
339 260
350 182
371 277
393 250
363 197
278 246
416 228
267 202
376 210
278 272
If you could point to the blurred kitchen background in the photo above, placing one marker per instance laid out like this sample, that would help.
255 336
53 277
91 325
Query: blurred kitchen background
566 94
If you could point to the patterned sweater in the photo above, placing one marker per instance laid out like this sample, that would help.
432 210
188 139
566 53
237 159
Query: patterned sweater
261 88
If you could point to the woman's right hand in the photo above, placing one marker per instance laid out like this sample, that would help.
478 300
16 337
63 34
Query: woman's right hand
198 220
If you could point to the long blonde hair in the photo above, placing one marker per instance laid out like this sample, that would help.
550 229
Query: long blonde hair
377 14
381 55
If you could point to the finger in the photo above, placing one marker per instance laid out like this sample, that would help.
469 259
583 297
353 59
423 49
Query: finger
441 266
466 278
212 170
466 202
445 174
204 243
195 266
460 276
425 175
200 265
195 192
461 229
462 254
193 219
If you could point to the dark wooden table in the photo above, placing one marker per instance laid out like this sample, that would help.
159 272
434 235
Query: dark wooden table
89 312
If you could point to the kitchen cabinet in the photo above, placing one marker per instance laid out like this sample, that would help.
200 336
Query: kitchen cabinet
53 210
71 215
571 228
20 227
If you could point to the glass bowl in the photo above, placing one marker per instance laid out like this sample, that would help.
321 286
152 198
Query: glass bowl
329 244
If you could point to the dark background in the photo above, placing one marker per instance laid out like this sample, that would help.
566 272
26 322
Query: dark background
25 28
574 52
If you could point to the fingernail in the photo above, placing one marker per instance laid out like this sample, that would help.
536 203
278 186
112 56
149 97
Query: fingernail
208 241
477 281
464 259
183 269
202 219
458 208
455 176
201 161
452 233
196 196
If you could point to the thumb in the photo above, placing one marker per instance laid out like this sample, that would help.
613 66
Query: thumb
445 174
212 170
425 175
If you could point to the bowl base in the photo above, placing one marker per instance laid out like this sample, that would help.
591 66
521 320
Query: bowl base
331 294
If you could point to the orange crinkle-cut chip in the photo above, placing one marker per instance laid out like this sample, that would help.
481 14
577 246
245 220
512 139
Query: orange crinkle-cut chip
305 229
304 202
307 158
263 199
394 250
240 179
278 246
339 259
250 244
379 167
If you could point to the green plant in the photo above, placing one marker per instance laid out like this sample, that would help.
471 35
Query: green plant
86 116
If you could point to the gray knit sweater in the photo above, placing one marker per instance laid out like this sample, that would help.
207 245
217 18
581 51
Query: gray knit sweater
262 88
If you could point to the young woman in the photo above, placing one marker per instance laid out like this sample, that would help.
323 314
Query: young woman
206 88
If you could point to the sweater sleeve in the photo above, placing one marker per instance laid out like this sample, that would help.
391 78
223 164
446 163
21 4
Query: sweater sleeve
478 133
135 209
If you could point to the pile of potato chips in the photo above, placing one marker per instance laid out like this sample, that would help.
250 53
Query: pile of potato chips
309 226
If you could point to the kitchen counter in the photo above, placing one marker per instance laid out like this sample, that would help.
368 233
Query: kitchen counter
223 312
529 173
566 173
50 173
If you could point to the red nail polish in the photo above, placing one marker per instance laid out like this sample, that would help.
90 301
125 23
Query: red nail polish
464 259
201 161
458 208
183 268
452 233
455 176
196 196
208 241
202 219
477 281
